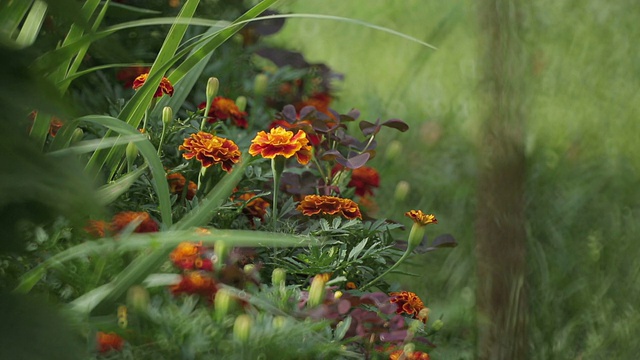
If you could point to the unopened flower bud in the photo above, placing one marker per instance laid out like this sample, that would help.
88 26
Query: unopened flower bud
260 84
242 327
212 88
138 298
337 295
77 135
131 153
122 317
402 190
167 115
222 250
437 325
249 268
408 349
415 236
279 322
394 148
317 291
223 303
241 103
278 277
423 315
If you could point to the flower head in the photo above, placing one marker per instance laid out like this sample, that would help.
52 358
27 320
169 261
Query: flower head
164 87
415 355
196 282
129 74
210 149
185 255
320 100
54 126
421 218
97 228
123 219
363 179
408 303
223 108
329 205
281 142
254 208
109 341
176 185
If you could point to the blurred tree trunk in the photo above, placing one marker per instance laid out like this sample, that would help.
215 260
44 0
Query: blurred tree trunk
500 227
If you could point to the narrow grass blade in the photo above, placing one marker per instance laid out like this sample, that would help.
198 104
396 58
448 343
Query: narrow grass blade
110 192
31 26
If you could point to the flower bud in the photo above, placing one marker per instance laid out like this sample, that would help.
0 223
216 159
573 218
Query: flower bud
222 251
241 103
394 148
242 327
278 277
77 135
337 295
167 115
122 316
131 153
402 190
423 315
415 236
249 268
317 291
138 298
437 325
223 304
260 84
279 322
212 88
408 349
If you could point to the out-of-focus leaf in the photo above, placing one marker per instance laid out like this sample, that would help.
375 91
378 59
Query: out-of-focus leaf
354 162
110 192
443 241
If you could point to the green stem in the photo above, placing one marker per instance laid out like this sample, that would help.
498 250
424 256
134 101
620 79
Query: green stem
164 130
277 167
400 261
205 115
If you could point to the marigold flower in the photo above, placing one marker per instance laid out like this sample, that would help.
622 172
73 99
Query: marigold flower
363 179
107 342
54 126
421 218
407 302
176 185
196 282
320 100
350 285
223 108
97 228
329 205
416 355
281 142
210 149
185 255
164 87
129 74
256 207
122 219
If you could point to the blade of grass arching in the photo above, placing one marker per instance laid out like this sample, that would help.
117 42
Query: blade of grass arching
40 128
67 80
31 26
108 193
10 18
148 151
87 146
135 108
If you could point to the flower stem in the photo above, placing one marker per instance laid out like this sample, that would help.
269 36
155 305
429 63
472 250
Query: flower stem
205 115
277 167
400 261
164 130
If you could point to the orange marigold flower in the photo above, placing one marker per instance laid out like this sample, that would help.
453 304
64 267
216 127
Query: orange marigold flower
54 126
185 255
196 282
408 303
109 341
223 108
176 185
97 228
122 219
210 149
421 218
350 285
281 142
256 207
363 179
320 100
329 205
416 355
164 87
129 74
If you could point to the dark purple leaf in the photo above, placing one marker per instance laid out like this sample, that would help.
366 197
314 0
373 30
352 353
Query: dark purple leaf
267 26
344 306
289 112
354 162
368 128
396 124
307 111
443 241
354 114
332 155
398 335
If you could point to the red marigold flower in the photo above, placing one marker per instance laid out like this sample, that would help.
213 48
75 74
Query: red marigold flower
196 282
54 126
107 342
363 179
407 302
164 87
421 218
122 219
185 255
416 355
320 100
176 185
329 205
256 207
223 108
210 149
129 74
281 142
97 228
351 285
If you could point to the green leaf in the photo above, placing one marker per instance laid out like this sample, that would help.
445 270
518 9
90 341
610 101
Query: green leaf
110 192
32 24
357 249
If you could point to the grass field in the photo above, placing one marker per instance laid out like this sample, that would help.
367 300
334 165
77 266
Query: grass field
582 128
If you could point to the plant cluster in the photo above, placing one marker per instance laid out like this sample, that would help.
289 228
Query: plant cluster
242 209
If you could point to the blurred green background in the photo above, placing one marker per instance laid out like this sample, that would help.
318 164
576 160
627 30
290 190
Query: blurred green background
581 142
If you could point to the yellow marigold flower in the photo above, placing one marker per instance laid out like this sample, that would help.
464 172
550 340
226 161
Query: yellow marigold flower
408 303
122 219
329 205
210 149
421 218
416 355
164 87
185 251
281 142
